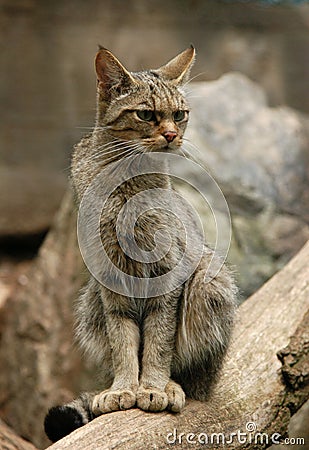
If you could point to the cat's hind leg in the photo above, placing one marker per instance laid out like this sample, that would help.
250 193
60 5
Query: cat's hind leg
91 334
206 318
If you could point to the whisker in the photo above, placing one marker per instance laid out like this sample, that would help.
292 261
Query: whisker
200 160
189 156
193 146
113 150
133 155
182 152
85 128
188 96
95 127
127 151
117 140
104 149
193 78
111 154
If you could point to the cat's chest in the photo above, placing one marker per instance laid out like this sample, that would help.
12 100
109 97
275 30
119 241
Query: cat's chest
139 234
128 219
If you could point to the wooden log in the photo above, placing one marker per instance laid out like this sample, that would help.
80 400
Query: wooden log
264 382
10 441
37 356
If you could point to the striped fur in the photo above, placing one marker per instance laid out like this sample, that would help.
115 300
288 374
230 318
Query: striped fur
150 352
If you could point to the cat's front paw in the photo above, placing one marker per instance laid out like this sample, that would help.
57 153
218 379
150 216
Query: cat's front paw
151 399
109 400
176 396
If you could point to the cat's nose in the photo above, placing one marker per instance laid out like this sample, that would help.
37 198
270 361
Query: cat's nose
169 135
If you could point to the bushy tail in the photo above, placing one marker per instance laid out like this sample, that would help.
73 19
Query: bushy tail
62 420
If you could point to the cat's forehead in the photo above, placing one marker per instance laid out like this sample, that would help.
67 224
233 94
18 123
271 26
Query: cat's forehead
160 93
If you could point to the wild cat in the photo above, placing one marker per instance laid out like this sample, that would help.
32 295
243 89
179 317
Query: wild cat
151 352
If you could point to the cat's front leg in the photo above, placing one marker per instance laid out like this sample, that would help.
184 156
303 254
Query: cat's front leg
124 337
157 391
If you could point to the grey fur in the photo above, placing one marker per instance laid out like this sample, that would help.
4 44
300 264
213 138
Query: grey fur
149 351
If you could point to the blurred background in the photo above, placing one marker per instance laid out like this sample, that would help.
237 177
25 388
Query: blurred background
47 81
252 126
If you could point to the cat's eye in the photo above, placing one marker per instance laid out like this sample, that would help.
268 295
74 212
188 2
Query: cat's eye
179 116
146 115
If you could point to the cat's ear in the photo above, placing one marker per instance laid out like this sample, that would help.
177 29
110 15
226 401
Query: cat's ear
178 69
111 75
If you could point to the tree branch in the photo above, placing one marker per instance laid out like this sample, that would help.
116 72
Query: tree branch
10 441
37 358
258 389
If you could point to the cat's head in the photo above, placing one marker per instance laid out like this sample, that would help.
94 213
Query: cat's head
145 107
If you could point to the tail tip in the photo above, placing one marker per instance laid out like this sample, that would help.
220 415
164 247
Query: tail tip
61 421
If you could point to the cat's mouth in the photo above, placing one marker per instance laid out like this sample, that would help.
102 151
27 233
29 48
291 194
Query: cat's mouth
162 146
173 146
165 148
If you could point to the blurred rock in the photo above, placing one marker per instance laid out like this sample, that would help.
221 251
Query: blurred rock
259 152
259 157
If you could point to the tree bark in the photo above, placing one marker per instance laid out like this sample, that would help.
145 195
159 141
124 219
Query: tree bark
37 358
265 380
39 367
10 441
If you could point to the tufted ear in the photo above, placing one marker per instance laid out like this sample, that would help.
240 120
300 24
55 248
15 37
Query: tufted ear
111 74
178 69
